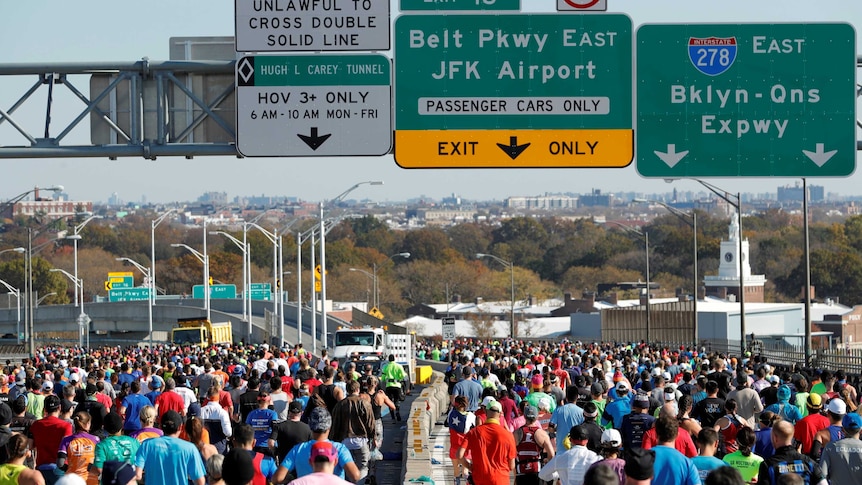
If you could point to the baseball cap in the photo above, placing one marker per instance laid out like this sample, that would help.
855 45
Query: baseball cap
295 407
815 401
656 372
52 403
612 437
47 386
323 451
851 422
641 401
597 388
156 382
320 420
5 414
74 377
774 379
117 472
622 387
194 409
487 401
531 412
495 406
639 463
835 406
172 419
91 389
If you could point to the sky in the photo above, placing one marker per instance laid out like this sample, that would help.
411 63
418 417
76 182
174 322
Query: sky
106 30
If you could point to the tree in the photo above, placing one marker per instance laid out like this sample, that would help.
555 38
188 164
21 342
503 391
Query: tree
469 238
426 244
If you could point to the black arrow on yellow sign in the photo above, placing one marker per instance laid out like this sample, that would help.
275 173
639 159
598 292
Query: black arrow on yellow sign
513 149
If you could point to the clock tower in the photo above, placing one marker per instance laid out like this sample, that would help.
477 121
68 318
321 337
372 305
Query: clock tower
726 283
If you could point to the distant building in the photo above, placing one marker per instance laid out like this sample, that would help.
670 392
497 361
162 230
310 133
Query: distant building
55 208
795 193
215 198
596 199
726 282
546 202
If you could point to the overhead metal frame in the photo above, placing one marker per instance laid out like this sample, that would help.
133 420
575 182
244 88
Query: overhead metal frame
165 74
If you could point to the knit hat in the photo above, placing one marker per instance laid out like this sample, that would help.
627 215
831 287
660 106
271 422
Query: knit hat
784 393
639 463
815 401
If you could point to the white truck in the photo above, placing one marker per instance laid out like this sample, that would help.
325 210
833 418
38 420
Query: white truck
374 344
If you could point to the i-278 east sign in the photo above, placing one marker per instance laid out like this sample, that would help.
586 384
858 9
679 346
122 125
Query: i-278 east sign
513 90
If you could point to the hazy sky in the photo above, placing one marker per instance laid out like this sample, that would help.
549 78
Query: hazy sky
111 30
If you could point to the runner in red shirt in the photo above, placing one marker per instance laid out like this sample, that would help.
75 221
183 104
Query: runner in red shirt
169 400
47 433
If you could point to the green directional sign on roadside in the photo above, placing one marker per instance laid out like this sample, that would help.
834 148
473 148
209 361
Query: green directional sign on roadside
217 292
746 100
460 5
129 294
264 295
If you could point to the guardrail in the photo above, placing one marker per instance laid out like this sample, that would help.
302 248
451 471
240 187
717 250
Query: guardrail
426 409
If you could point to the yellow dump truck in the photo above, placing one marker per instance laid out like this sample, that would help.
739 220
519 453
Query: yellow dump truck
201 332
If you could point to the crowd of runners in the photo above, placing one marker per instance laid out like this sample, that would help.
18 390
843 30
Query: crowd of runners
233 414
607 414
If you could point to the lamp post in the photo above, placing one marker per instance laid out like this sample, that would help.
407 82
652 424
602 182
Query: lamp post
17 293
82 317
273 238
28 284
645 236
152 279
685 216
146 272
729 198
11 202
204 259
373 284
75 237
404 255
511 267
43 297
245 283
338 198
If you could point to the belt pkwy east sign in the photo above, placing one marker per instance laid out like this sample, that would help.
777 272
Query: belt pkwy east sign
746 100
517 90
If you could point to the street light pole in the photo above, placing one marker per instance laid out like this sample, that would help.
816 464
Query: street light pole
204 260
81 317
511 266
738 206
17 293
148 275
75 237
152 276
243 249
376 279
645 236
684 216
273 238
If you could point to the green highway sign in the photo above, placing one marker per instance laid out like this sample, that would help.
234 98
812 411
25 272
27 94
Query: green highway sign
261 286
265 295
513 90
129 294
314 105
746 100
460 5
217 292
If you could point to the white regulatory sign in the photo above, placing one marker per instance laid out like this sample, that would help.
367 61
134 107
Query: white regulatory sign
312 25
448 328
314 105
581 5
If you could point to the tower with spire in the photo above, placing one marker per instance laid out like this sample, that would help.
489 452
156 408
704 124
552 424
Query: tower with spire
725 284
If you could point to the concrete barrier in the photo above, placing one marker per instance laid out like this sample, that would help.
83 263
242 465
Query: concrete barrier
423 374
425 411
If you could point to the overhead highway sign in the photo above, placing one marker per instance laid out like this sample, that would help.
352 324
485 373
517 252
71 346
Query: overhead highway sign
746 100
522 90
314 105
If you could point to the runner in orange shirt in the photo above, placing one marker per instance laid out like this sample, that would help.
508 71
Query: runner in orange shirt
78 451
